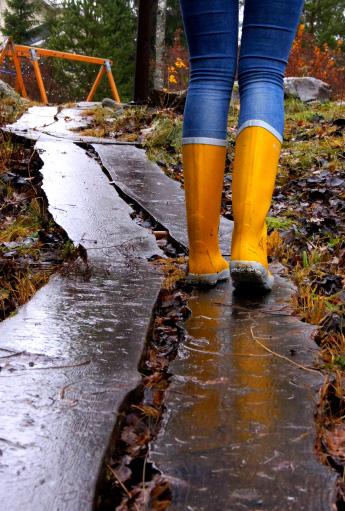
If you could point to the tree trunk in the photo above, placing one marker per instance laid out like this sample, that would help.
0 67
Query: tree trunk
144 41
160 44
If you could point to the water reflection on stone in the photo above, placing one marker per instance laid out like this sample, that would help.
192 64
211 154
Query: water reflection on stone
240 432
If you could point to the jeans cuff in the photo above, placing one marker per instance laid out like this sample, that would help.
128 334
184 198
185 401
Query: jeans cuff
204 140
262 124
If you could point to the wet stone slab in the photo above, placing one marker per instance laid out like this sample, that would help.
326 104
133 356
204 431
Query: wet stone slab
70 355
239 431
50 123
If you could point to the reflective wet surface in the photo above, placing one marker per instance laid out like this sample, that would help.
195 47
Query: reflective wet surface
239 429
70 355
239 432
46 123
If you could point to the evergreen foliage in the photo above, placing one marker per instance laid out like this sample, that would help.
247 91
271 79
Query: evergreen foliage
100 28
325 19
174 22
19 19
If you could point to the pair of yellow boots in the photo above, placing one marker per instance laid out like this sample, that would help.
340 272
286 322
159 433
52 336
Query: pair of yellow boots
255 166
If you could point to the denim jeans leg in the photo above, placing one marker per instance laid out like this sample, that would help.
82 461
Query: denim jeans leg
211 28
269 27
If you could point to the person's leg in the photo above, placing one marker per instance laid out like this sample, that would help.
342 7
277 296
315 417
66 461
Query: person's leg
211 28
269 28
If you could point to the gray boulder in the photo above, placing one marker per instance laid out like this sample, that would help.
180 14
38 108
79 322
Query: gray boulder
110 103
307 88
6 91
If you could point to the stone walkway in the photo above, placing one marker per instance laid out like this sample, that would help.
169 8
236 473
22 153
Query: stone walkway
238 431
75 346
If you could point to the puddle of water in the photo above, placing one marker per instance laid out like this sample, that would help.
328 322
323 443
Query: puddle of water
240 431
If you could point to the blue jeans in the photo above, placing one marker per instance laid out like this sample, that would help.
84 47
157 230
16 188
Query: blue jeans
211 26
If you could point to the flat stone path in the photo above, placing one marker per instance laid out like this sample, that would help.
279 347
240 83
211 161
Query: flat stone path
74 348
238 432
52 123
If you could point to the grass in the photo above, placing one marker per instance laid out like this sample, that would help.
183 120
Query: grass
277 223
120 124
19 228
10 152
311 307
294 108
24 216
12 108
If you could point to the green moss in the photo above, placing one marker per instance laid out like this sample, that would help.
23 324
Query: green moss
167 131
340 361
68 250
334 242
276 223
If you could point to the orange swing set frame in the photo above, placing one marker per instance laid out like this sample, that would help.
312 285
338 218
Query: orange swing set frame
18 51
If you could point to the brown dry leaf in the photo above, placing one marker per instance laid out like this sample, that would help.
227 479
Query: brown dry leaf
160 494
123 472
148 411
334 441
128 137
337 143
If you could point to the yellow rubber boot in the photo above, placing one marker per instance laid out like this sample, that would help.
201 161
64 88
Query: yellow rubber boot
203 180
255 166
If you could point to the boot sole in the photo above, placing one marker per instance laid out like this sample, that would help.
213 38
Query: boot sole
250 274
207 279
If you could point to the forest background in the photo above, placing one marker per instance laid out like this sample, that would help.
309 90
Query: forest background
108 28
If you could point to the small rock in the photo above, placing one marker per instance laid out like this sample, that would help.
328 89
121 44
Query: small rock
6 91
110 103
146 131
307 88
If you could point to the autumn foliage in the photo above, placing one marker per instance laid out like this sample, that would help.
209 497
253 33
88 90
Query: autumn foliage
306 59
177 72
325 63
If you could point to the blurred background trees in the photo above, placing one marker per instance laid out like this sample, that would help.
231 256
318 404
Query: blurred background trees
325 19
309 58
104 28
108 28
19 19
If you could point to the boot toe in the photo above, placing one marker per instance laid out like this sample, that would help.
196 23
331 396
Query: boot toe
207 279
251 275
